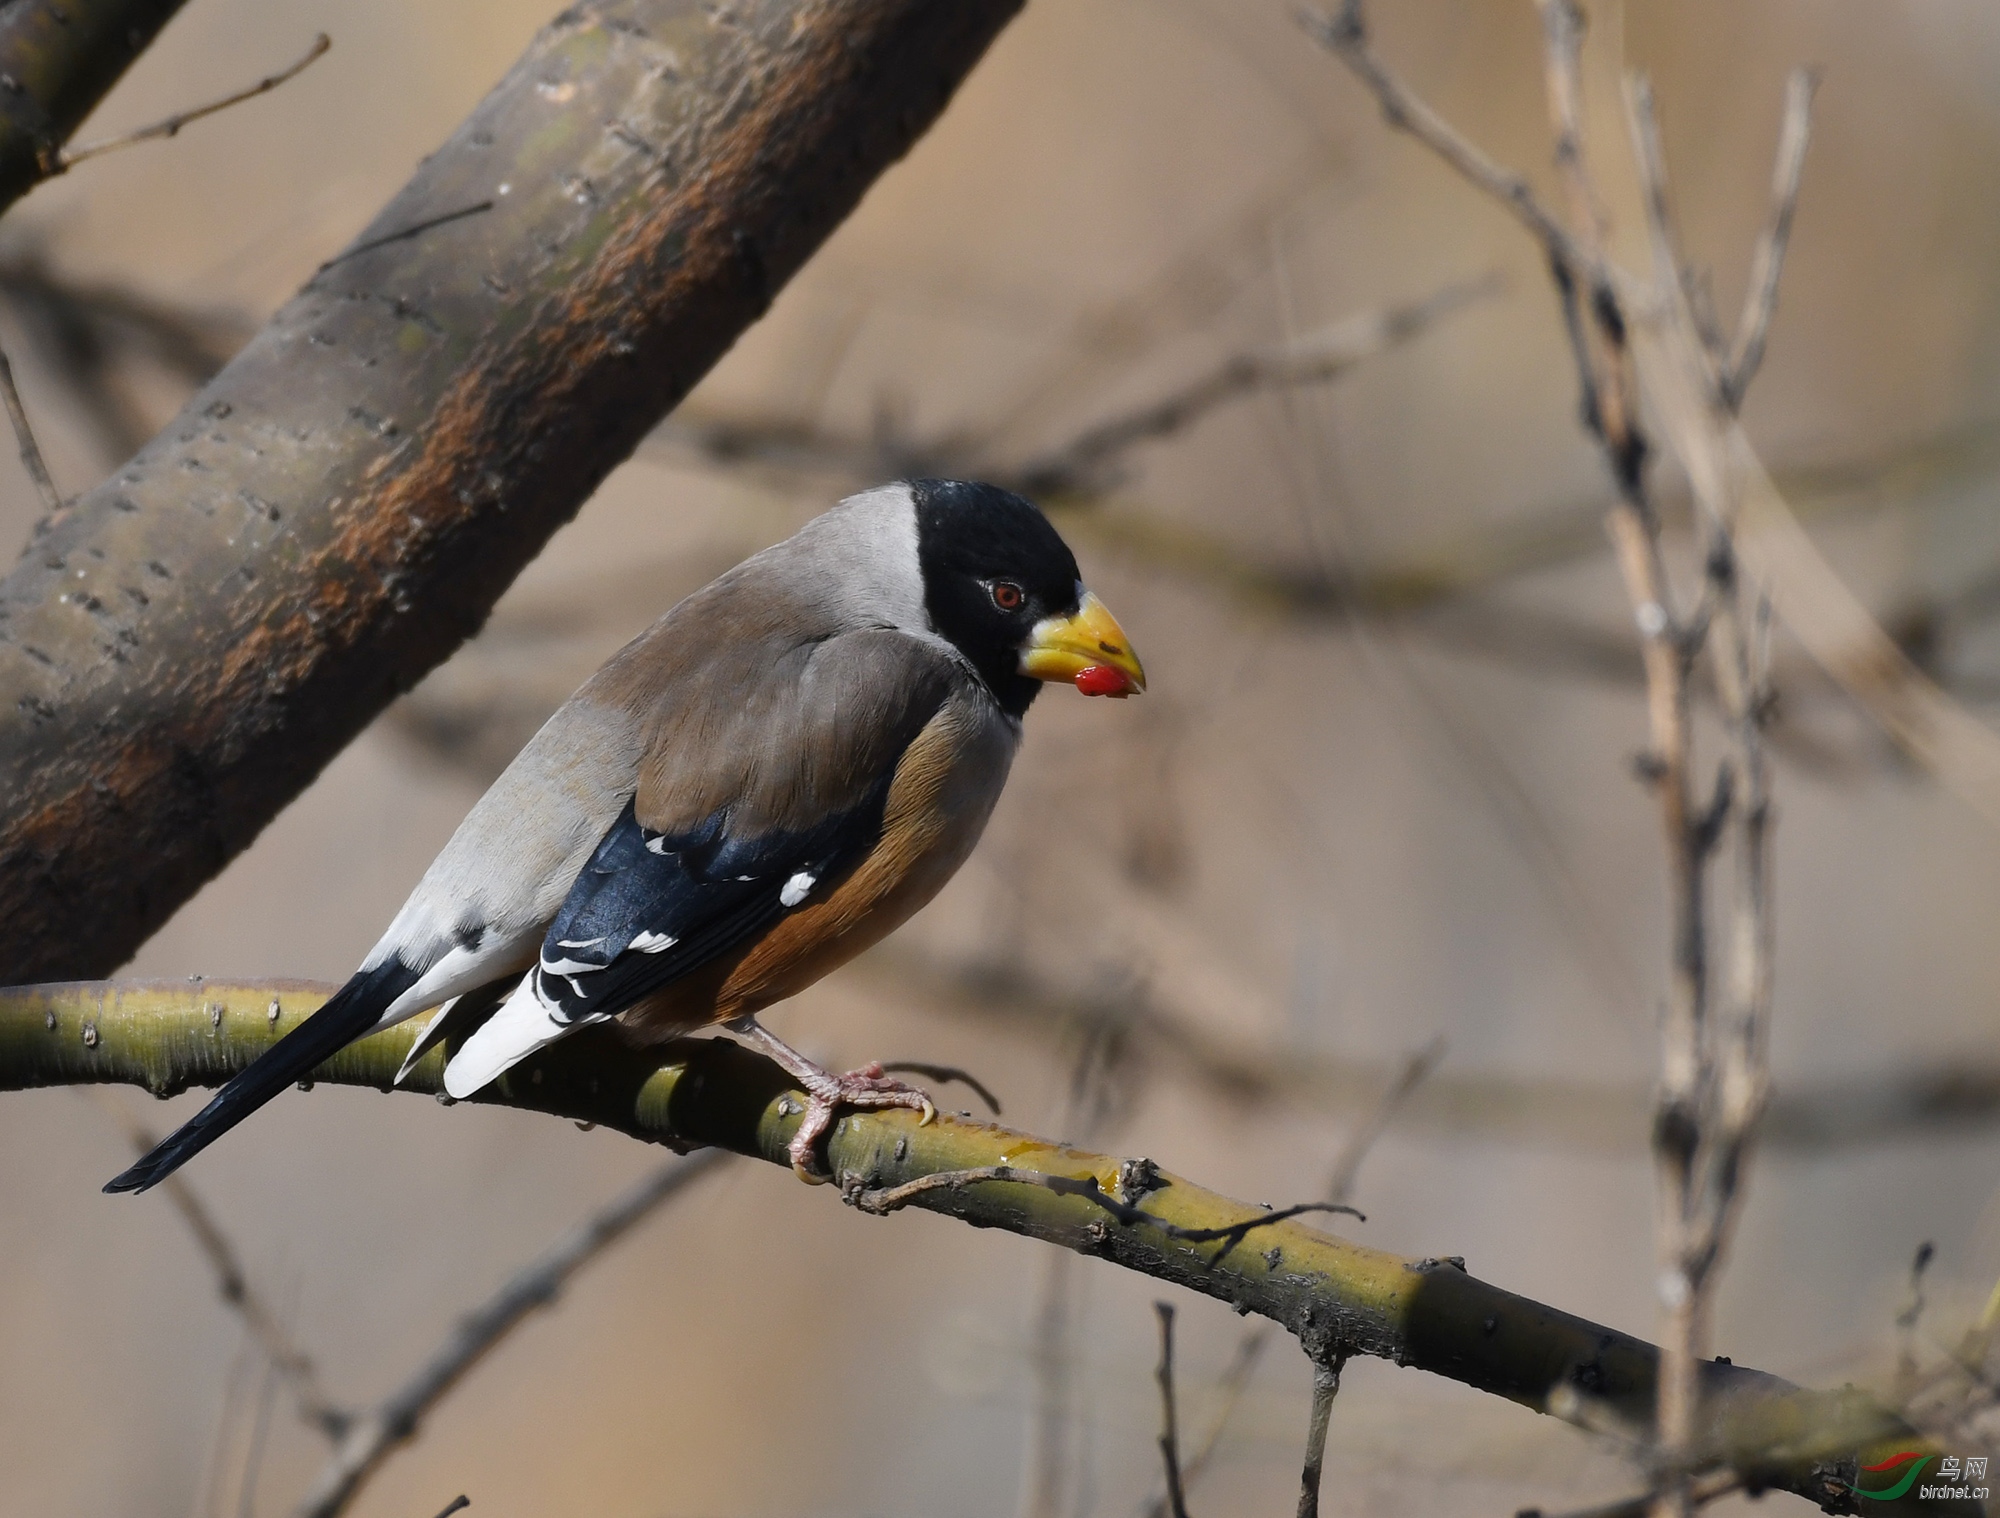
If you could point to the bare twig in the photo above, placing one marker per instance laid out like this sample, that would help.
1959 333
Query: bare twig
24 435
1170 1443
1229 1388
395 1420
1346 34
1326 1386
1082 467
1081 464
1713 1082
68 158
1760 301
879 1203
1361 1139
1340 1183
456 1503
287 1358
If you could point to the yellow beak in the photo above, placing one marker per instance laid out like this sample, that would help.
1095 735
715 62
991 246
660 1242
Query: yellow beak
1088 649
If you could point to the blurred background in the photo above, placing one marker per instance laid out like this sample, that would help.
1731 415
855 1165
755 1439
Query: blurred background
1379 794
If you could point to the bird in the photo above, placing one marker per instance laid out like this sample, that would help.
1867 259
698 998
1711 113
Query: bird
772 777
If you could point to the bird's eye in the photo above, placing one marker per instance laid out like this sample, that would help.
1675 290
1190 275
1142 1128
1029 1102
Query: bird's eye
1007 595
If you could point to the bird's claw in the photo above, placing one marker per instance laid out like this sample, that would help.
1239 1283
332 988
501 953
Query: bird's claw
866 1089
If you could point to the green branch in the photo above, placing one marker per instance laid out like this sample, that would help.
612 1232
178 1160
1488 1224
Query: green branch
1336 1297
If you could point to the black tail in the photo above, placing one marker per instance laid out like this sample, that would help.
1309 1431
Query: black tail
351 1012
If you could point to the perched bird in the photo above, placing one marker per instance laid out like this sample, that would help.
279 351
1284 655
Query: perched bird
765 782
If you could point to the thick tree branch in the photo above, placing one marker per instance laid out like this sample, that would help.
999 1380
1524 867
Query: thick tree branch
183 648
1338 1298
60 59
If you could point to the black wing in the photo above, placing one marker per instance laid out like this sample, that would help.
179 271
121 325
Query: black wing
651 907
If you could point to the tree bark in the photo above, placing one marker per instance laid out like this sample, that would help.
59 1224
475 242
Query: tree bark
1336 1297
183 648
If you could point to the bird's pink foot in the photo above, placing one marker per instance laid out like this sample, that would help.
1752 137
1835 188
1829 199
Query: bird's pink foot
866 1089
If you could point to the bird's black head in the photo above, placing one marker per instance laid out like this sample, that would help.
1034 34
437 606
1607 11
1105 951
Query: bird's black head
993 570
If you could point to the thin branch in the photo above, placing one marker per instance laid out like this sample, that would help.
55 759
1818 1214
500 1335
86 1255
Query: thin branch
1170 1439
1670 268
24 435
456 1503
394 1421
1326 1386
1713 1083
1593 314
1347 1164
1229 1388
1080 464
290 1361
1340 1183
1454 568
69 158
883 1202
1082 467
1346 35
1760 301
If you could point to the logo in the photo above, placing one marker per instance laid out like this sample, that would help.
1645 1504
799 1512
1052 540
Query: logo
1900 1472
1899 1485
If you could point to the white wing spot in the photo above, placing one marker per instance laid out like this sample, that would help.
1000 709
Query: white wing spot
657 845
796 888
652 943
581 943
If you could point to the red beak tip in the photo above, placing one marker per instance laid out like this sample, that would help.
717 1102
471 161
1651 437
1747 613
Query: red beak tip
1102 680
